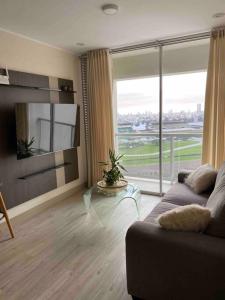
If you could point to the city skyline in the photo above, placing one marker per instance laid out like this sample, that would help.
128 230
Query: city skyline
143 95
197 109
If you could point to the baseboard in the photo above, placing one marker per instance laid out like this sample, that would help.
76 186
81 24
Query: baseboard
55 195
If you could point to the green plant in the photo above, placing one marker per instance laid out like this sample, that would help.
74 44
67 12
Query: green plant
113 172
24 148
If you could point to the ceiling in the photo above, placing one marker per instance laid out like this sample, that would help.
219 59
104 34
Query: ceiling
64 23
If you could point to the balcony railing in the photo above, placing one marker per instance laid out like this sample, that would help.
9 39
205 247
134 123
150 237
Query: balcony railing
179 150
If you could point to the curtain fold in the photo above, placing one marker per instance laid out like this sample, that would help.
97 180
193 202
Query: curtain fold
99 95
213 151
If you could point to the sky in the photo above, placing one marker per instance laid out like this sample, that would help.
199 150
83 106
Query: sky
180 92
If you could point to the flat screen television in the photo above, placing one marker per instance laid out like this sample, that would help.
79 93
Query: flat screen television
43 128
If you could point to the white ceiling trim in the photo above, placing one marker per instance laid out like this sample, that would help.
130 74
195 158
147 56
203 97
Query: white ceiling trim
37 41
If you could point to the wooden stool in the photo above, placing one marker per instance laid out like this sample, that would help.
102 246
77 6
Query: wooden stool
3 211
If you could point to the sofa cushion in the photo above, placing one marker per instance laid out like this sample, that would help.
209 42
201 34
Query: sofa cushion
216 203
183 174
158 210
202 179
181 194
191 217
220 173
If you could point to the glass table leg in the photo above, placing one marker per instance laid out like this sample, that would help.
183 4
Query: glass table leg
87 200
136 197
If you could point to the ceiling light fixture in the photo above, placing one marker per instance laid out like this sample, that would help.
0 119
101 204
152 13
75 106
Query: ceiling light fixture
219 15
110 9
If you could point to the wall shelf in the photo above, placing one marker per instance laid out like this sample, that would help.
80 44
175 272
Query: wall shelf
36 88
44 171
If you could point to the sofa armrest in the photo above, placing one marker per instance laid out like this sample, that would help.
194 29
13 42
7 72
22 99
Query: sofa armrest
184 265
182 175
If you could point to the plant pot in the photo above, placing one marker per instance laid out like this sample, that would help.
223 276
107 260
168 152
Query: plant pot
119 184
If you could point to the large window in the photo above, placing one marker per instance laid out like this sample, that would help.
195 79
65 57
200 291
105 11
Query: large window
183 113
138 113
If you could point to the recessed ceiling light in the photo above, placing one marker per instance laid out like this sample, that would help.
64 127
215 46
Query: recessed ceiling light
110 9
80 44
219 15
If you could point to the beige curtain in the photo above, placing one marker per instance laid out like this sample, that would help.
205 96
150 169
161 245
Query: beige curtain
99 94
214 121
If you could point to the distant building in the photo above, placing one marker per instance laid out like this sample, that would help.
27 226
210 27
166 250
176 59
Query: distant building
139 127
170 124
196 125
199 107
125 127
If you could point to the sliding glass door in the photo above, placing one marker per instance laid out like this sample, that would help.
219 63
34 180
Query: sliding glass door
184 80
159 131
136 82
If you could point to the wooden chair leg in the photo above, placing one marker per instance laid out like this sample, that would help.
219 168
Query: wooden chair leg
4 211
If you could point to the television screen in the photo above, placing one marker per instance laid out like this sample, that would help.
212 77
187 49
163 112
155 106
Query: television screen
43 128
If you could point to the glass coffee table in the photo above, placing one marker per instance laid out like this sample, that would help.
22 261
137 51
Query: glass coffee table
112 198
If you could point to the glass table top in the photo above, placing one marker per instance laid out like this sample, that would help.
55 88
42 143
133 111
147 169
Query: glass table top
105 202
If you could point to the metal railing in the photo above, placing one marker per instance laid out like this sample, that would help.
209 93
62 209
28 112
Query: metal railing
167 136
50 122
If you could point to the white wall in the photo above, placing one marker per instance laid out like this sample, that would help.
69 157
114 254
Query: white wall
21 54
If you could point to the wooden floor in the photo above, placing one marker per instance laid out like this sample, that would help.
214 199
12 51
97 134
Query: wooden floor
62 253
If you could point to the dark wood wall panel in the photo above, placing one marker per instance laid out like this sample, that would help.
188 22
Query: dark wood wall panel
28 79
71 170
17 191
65 97
77 133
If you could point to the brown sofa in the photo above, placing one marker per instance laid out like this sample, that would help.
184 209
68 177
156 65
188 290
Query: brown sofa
167 265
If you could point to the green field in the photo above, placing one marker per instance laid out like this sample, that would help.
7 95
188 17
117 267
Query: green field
192 153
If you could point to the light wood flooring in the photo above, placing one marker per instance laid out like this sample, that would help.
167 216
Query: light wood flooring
62 253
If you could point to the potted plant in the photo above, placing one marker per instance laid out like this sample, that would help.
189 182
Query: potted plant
112 173
24 148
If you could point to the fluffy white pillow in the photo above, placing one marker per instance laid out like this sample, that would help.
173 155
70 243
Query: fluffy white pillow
202 179
191 217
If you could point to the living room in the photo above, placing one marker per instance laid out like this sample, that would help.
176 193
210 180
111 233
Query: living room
112 182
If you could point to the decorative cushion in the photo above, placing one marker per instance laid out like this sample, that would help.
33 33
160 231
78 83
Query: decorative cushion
202 179
191 217
221 172
216 203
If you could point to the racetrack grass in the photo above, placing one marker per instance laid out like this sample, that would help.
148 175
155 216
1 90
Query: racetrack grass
192 153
